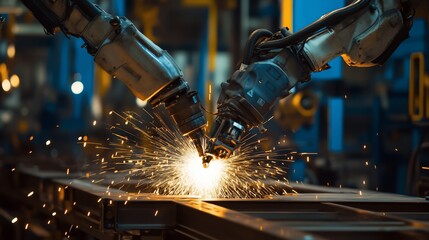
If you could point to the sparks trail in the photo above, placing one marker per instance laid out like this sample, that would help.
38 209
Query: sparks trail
148 153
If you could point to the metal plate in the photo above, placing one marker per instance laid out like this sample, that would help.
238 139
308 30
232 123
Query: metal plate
317 213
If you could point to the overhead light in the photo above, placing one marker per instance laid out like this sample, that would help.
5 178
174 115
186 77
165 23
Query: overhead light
141 103
11 51
14 81
3 71
77 87
5 84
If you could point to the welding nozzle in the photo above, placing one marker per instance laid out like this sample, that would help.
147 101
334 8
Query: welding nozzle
224 139
206 160
185 108
197 139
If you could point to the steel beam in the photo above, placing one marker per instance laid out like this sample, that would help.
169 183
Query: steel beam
318 212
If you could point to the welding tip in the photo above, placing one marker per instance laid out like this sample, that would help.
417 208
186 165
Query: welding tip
206 160
197 137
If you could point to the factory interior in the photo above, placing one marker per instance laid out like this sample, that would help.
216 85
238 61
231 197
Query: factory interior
205 119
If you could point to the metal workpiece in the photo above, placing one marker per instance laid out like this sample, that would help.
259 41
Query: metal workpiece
104 212
339 220
222 223
178 215
35 184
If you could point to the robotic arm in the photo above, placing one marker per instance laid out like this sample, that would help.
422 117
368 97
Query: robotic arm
365 34
120 49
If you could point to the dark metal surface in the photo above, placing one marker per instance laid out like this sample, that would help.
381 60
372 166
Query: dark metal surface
316 213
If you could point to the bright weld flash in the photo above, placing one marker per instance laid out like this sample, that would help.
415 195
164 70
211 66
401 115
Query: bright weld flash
205 182
168 163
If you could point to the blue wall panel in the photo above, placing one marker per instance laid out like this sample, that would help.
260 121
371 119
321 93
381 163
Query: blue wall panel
335 124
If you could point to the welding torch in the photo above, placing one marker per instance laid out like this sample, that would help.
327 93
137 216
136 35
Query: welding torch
365 33
125 53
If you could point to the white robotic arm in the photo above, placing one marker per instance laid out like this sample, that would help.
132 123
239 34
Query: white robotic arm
365 33
366 38
120 49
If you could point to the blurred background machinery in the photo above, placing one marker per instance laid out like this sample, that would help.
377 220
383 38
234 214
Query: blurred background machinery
362 123
364 128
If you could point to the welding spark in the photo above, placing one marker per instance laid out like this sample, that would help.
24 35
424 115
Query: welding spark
149 154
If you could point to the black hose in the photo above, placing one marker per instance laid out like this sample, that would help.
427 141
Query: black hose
330 19
251 42
49 21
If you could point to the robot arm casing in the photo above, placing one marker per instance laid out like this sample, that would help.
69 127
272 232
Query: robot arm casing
249 96
362 40
116 44
138 62
124 52
364 33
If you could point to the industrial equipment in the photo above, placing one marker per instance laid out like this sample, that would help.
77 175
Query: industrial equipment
58 204
272 63
365 33
297 110
124 52
47 194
